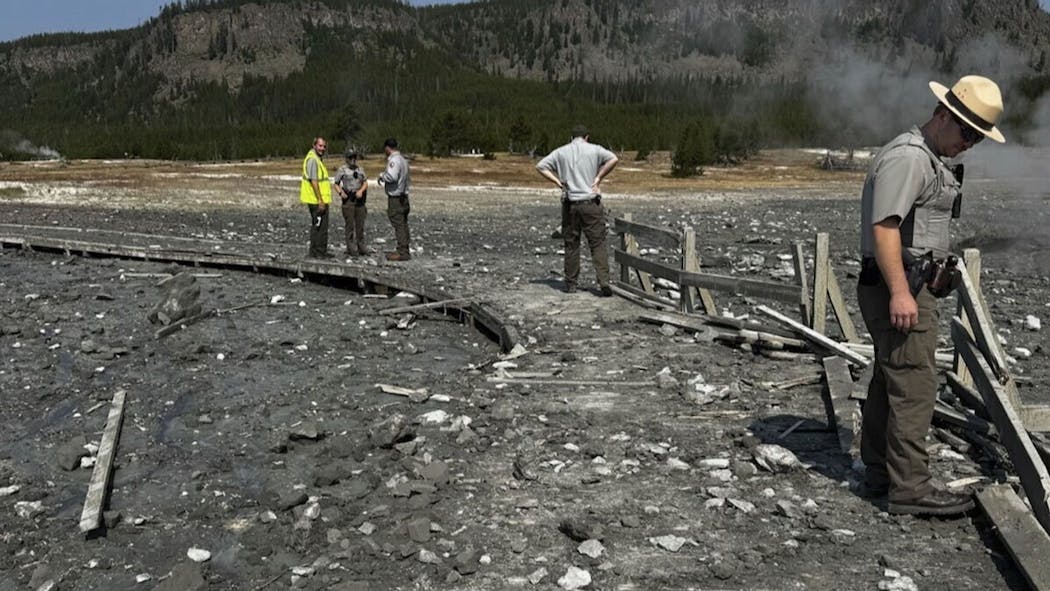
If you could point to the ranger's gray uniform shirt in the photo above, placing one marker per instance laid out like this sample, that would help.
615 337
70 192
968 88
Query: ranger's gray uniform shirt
345 178
908 181
576 164
395 177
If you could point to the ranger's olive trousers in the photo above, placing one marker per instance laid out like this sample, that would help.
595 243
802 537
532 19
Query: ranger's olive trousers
354 227
587 218
397 209
901 396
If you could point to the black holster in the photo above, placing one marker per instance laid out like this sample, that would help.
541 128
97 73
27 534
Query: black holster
940 276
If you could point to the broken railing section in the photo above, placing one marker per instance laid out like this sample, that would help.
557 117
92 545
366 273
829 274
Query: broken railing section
691 289
990 412
476 315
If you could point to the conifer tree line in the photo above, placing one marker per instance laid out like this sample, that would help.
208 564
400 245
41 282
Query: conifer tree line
435 102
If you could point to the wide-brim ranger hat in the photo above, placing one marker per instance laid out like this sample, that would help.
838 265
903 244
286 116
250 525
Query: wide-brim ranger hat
977 101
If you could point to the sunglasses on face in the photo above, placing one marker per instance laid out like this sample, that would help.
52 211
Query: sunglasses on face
969 134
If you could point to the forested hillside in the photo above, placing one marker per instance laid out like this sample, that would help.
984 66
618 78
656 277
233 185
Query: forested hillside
239 79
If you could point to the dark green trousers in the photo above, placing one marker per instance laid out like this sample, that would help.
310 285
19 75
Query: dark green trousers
318 230
901 396
397 209
585 218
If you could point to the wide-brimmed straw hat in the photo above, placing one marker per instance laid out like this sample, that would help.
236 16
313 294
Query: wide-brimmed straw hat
977 101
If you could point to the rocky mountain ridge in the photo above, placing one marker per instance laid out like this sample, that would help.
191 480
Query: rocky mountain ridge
590 40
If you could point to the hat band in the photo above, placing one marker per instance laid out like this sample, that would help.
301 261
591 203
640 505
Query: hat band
965 111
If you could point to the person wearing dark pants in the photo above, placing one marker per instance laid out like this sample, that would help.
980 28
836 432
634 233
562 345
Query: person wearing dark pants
315 191
352 184
586 218
910 196
396 181
578 168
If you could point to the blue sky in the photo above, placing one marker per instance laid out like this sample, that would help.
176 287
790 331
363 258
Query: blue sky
19 18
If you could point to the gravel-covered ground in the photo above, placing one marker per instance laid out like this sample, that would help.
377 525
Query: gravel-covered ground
260 435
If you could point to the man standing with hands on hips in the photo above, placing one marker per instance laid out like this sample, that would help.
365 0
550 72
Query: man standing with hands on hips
577 168
315 190
395 181
910 195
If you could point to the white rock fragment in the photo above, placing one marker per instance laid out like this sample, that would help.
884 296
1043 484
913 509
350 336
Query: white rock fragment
367 528
7 491
142 578
574 578
302 571
592 548
427 557
198 555
775 458
276 299
742 505
1023 352
28 509
716 503
676 464
434 417
1032 322
669 542
898 584
714 463
537 575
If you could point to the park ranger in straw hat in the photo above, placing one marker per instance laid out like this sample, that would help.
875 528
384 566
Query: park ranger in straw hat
910 195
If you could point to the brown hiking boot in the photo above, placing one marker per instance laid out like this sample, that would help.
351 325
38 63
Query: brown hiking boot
396 256
939 502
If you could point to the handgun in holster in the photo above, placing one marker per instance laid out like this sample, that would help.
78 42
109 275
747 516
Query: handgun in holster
940 276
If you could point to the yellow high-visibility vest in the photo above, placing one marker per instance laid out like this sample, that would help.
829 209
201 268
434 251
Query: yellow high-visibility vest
306 189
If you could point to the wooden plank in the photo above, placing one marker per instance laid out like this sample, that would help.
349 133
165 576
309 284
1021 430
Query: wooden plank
1027 463
181 323
840 409
798 257
91 517
625 245
838 306
648 235
604 383
983 331
946 414
1036 417
1027 542
426 306
630 245
815 337
781 292
640 297
972 258
966 394
647 267
687 295
820 283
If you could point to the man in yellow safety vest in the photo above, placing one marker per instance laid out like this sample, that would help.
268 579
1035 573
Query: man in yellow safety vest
315 190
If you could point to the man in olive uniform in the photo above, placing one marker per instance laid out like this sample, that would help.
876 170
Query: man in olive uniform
395 181
315 191
577 168
352 185
906 207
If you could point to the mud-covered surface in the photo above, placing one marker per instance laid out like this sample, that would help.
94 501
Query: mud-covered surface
260 436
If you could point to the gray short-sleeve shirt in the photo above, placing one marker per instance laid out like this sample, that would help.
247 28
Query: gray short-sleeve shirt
576 164
898 176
